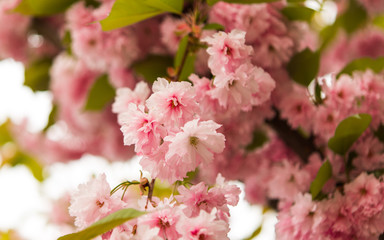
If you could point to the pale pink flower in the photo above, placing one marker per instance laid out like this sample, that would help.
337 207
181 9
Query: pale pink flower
204 226
272 51
247 86
172 103
142 232
197 141
296 221
287 181
165 217
141 129
199 198
92 201
227 51
125 96
172 31
169 169
364 206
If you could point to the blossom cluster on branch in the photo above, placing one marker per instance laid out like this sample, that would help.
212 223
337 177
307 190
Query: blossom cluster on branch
263 92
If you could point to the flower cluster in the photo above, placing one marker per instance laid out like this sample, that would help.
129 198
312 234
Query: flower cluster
269 94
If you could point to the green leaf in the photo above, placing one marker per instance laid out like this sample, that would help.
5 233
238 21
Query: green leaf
324 173
51 117
36 75
212 2
348 131
361 64
379 133
174 6
354 17
109 222
43 7
255 233
127 12
181 51
67 42
31 163
5 135
329 33
152 67
101 93
258 140
379 21
188 67
296 12
214 26
304 66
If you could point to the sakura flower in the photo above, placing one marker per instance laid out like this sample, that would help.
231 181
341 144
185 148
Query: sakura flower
92 201
140 233
165 217
198 198
204 226
141 129
197 141
227 51
125 96
172 103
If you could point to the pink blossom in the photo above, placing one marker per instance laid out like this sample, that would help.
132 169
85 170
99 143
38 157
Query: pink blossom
197 141
364 206
165 217
125 96
92 201
172 103
204 226
141 129
227 51
287 181
199 198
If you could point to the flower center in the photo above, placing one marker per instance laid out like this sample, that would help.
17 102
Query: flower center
194 141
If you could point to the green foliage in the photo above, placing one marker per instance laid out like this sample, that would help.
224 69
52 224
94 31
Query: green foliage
181 51
324 173
348 131
67 42
214 26
259 138
15 156
5 135
297 12
36 75
100 94
30 162
43 7
188 66
354 17
361 64
304 66
212 2
173 6
126 12
51 117
105 224
152 67
379 21
255 233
